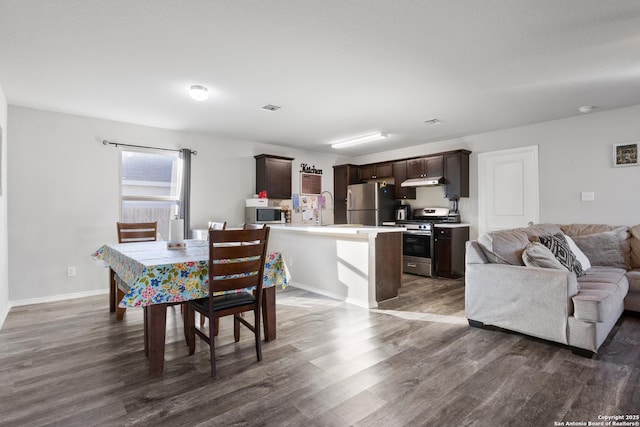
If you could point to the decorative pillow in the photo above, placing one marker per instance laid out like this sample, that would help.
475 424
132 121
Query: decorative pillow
560 249
504 246
538 255
604 249
580 256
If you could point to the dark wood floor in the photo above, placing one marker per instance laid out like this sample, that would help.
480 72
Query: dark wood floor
413 361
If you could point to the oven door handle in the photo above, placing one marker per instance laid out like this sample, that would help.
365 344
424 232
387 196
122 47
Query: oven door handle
418 232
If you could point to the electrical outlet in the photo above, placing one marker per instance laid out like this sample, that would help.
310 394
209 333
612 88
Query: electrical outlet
71 271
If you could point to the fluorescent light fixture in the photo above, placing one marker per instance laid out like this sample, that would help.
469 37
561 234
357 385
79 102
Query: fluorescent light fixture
586 109
359 140
198 92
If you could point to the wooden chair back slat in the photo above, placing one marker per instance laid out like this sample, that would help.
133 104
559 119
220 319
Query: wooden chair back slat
129 232
244 267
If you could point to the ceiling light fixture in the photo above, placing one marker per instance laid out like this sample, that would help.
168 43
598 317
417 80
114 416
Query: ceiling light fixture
198 92
271 107
586 109
359 140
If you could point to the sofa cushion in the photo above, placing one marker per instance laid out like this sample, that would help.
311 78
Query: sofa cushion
602 291
580 256
504 246
536 254
605 249
633 277
560 249
534 231
584 229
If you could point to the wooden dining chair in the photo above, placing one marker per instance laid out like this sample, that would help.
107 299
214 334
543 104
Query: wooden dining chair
249 226
236 262
129 232
217 225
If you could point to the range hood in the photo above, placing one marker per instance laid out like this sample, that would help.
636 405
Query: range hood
429 181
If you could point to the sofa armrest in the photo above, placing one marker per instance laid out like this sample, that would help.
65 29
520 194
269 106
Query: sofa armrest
531 300
474 253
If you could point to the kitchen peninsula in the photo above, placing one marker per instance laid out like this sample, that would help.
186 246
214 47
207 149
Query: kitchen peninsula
361 265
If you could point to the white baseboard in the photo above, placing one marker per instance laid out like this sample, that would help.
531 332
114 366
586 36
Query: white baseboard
55 298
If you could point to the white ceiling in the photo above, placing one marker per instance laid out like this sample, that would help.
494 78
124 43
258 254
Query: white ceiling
337 68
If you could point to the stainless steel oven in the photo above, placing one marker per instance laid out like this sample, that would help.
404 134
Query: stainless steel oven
418 243
417 251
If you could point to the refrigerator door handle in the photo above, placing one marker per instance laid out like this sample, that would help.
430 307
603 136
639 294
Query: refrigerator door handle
349 199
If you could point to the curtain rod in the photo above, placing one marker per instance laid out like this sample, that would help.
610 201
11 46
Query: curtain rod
106 142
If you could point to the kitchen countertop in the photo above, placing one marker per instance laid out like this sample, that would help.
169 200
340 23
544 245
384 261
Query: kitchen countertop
336 228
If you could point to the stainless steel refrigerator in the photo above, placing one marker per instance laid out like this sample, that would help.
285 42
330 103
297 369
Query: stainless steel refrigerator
370 203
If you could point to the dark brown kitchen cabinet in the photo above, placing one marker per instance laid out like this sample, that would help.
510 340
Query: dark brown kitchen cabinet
273 175
375 171
449 250
399 175
423 167
456 174
343 176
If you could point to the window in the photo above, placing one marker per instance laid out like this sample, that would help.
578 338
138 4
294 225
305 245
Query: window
150 187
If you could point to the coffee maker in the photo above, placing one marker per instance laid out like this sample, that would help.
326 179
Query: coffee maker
403 212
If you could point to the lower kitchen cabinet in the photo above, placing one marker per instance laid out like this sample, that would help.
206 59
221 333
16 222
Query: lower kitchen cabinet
449 248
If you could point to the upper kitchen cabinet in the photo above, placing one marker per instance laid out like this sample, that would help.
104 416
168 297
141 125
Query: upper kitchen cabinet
375 171
456 174
343 176
424 167
399 175
273 174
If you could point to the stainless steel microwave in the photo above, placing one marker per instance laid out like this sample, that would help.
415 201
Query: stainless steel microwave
263 215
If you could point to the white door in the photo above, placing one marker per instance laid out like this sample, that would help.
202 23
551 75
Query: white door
508 189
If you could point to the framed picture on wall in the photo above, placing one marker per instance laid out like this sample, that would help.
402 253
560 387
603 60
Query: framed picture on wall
625 154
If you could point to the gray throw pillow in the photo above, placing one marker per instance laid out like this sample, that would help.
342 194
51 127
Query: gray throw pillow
559 246
504 246
538 255
604 249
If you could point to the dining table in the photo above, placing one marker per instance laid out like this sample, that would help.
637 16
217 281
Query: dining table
157 276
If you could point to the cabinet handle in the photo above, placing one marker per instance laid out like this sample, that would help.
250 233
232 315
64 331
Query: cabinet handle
411 264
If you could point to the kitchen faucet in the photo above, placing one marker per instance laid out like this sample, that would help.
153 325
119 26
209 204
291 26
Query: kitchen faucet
320 206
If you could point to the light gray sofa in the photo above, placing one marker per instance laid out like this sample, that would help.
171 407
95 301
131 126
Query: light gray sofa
553 303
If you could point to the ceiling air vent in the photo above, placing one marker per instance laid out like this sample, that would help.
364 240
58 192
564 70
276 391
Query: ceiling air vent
271 107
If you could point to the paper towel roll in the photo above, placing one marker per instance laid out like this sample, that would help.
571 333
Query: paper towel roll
176 233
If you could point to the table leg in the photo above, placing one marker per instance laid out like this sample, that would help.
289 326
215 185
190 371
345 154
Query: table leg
269 313
189 323
145 317
157 325
112 290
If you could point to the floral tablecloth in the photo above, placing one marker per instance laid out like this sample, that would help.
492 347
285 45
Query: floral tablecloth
155 274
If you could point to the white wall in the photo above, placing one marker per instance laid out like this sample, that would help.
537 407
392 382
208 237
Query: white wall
62 185
575 155
4 274
64 189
